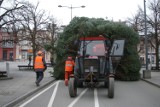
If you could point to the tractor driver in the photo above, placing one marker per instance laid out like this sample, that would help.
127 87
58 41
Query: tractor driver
99 49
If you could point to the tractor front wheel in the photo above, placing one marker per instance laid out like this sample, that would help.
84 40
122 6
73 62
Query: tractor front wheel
72 86
111 87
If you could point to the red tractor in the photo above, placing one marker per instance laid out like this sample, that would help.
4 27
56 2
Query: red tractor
96 62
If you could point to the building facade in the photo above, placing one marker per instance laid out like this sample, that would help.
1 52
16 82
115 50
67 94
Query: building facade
150 47
21 50
7 46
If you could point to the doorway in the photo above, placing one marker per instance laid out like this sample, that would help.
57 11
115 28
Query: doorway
11 56
4 54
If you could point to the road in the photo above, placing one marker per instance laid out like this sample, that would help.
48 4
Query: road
127 94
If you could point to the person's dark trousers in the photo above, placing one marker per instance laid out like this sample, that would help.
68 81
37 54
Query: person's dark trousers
29 63
39 77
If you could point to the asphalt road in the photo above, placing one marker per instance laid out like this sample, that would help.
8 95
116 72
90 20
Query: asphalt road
127 94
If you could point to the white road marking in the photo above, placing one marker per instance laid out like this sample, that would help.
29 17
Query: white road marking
96 98
53 95
74 101
25 103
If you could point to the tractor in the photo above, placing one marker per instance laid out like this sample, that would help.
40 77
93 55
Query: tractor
96 61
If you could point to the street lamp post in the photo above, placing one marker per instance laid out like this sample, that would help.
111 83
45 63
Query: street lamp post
146 73
146 38
71 7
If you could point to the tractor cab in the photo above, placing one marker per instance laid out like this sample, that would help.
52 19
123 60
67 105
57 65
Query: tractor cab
93 54
93 46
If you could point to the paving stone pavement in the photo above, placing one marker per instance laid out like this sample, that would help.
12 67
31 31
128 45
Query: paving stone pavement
155 77
20 82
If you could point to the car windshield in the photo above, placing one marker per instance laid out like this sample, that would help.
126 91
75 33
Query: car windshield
93 48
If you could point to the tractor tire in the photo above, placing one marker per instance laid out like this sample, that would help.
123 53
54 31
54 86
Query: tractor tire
72 86
111 87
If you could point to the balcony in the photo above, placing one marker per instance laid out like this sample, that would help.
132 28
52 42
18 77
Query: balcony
7 44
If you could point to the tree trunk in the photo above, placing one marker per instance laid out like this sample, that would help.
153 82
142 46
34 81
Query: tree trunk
157 49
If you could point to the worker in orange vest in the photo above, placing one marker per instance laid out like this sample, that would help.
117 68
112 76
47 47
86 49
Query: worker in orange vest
39 67
69 65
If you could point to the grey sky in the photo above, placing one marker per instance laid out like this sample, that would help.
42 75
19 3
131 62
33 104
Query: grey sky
113 9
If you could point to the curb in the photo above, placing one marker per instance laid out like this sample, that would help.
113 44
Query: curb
19 99
150 82
5 78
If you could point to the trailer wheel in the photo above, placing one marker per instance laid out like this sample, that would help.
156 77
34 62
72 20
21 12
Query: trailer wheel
72 86
111 87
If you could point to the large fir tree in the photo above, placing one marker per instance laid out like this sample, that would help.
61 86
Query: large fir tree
129 67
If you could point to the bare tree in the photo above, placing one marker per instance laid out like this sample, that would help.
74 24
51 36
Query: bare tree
153 25
33 25
7 16
137 21
51 45
8 19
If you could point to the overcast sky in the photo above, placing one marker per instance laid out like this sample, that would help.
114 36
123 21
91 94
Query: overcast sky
113 9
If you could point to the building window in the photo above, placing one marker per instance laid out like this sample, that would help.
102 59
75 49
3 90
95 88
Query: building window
7 42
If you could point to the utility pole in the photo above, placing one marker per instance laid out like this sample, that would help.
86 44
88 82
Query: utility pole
146 37
146 73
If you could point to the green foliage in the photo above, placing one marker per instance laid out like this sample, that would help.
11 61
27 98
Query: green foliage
129 66
59 70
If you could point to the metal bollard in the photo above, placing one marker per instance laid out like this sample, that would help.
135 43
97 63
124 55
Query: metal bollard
7 69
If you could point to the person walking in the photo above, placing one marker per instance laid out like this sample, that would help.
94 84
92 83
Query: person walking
29 59
51 60
69 65
39 67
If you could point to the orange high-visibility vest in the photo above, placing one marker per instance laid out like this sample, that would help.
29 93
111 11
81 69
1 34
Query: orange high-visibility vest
38 63
69 65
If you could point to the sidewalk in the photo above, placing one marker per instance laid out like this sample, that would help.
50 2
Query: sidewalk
155 77
21 84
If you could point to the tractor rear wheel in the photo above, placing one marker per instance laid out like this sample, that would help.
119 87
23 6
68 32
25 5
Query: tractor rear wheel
72 86
111 87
